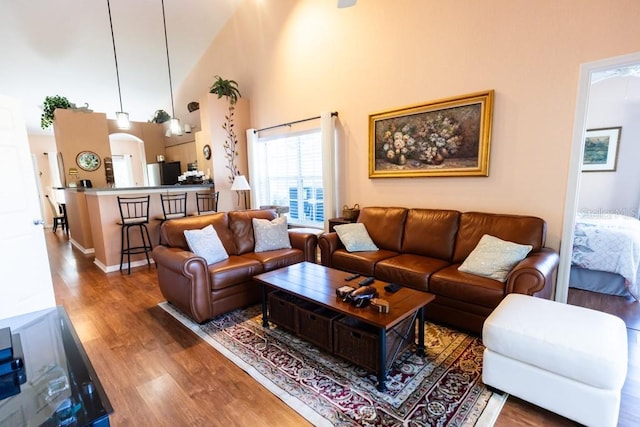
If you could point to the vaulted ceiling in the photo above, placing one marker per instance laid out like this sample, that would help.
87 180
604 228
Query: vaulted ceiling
64 47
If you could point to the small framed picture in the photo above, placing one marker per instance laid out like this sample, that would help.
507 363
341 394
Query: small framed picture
601 149
206 150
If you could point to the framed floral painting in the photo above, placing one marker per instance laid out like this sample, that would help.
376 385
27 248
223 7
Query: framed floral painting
601 149
447 137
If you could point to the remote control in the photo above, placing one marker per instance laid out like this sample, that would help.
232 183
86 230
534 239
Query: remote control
350 278
392 287
367 281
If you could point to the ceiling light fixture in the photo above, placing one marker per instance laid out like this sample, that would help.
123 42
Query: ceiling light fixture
174 123
122 118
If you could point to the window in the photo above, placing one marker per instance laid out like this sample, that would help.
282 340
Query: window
287 171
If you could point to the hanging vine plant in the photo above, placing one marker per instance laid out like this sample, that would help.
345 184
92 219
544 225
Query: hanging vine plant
49 106
229 89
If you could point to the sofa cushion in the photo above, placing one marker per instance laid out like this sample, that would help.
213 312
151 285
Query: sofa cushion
355 238
241 226
494 258
206 243
359 262
233 271
270 235
430 232
385 226
409 270
466 287
279 258
525 230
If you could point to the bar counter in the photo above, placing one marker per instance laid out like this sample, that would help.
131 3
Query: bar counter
93 215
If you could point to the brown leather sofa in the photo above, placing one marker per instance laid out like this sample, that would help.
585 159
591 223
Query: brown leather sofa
423 248
204 291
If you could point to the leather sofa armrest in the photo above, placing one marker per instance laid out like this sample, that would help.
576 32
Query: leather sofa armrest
534 274
328 243
306 242
184 280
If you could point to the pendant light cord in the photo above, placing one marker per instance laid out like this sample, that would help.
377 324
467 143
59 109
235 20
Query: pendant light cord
166 44
113 40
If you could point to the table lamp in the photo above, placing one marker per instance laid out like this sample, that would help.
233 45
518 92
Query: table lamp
240 184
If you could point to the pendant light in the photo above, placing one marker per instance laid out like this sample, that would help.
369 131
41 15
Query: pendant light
174 123
122 118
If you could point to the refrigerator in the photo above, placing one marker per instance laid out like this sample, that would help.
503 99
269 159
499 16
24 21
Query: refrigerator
163 173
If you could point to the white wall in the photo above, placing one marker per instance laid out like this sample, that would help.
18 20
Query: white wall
615 102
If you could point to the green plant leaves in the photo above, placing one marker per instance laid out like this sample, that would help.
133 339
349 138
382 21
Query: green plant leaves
228 88
49 106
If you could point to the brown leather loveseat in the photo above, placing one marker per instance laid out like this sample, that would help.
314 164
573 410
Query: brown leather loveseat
423 248
204 291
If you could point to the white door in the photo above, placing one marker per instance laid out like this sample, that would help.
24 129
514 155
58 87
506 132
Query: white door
25 279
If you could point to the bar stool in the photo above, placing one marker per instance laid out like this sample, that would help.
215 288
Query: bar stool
134 212
207 203
174 205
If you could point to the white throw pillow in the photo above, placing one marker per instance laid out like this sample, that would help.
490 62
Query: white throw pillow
355 237
206 244
271 235
494 258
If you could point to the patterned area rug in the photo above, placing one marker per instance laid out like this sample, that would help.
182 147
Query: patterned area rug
443 389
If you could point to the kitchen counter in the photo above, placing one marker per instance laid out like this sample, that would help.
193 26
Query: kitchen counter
150 189
93 214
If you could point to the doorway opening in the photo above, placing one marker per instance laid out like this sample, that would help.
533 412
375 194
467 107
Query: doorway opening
589 73
129 162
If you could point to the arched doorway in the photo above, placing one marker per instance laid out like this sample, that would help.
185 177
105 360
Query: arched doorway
128 157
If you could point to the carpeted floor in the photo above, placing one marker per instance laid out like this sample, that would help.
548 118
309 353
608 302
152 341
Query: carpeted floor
445 389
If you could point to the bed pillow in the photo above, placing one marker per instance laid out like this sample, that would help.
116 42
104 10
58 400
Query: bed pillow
207 244
355 237
494 258
271 235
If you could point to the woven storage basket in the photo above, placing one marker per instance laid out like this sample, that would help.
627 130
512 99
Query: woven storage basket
282 309
357 341
351 214
315 324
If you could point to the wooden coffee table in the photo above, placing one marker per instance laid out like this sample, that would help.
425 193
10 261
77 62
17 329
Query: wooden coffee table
317 284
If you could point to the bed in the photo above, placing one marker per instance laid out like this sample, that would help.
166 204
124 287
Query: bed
606 254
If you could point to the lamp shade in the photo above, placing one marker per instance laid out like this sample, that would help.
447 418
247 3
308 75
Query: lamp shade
240 184
122 120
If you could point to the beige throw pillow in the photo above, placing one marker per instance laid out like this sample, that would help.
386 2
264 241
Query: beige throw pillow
271 235
494 258
206 244
355 237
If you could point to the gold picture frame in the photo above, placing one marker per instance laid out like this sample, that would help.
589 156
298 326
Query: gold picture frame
447 137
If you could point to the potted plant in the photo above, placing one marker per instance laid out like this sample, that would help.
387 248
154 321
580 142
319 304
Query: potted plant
160 116
229 89
49 106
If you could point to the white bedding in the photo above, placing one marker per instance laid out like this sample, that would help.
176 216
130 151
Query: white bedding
609 243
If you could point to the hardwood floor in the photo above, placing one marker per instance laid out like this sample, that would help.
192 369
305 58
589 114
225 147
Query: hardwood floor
157 373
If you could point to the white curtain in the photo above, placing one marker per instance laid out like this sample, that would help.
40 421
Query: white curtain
329 170
252 140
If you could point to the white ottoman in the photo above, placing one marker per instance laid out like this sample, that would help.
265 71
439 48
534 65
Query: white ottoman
567 359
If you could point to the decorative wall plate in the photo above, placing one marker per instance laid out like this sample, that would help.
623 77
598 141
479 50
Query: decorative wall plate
88 160
206 150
